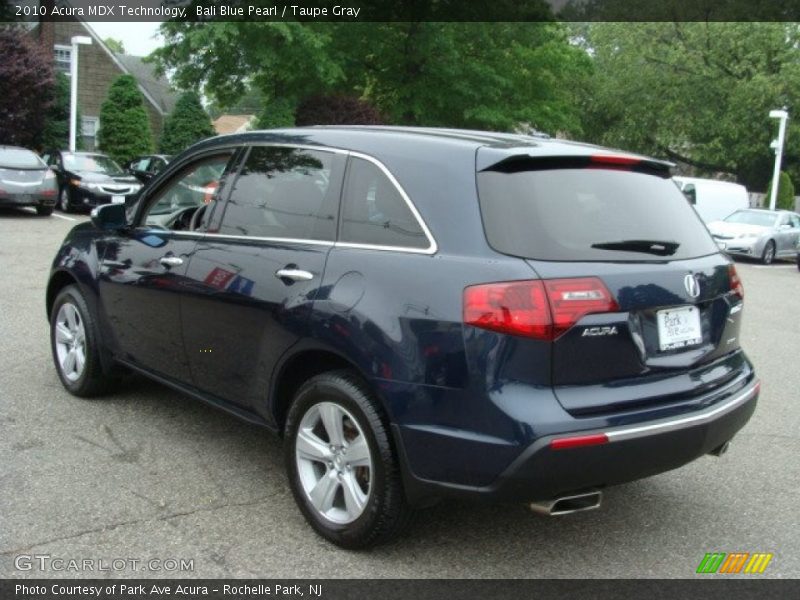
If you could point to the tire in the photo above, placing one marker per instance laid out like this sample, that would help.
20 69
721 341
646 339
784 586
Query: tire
798 262
73 328
63 200
357 505
769 253
44 211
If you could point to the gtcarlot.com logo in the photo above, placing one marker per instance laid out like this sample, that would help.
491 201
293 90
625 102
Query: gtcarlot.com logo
47 562
732 563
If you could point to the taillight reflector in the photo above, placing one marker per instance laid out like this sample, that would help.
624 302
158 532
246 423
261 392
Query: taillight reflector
541 309
579 441
735 283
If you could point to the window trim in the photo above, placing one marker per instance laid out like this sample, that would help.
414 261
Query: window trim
432 245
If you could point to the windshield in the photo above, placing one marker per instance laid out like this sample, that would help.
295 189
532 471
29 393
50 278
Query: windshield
96 163
751 217
19 158
582 214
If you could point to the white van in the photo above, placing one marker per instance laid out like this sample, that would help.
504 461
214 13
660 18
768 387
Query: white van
713 200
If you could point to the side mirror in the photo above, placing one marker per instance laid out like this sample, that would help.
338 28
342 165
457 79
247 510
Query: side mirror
109 217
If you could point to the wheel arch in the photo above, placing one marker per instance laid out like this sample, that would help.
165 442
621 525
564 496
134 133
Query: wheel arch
298 368
58 281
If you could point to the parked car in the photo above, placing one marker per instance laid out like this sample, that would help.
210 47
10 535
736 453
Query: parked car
713 200
26 181
89 179
411 335
145 167
758 233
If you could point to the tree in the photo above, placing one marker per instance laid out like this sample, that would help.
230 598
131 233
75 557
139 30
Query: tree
115 45
490 75
697 93
337 110
124 124
188 123
785 197
28 84
56 127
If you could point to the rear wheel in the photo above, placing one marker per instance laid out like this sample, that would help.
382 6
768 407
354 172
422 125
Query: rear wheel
769 253
75 344
44 211
341 465
63 200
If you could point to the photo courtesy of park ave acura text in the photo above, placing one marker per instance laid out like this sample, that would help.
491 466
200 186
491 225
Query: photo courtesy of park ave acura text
324 299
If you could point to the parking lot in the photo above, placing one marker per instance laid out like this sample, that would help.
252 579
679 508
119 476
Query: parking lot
148 473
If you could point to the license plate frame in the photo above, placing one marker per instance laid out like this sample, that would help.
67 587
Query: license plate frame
679 327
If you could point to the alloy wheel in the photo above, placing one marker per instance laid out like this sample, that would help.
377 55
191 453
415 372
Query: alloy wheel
70 342
63 200
334 462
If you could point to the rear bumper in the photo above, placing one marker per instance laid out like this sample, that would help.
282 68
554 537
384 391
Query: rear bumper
631 452
27 200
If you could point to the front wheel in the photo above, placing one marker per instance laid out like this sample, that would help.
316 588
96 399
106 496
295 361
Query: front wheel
75 344
341 465
44 211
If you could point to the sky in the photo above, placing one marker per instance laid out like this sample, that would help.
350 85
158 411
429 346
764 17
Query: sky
137 37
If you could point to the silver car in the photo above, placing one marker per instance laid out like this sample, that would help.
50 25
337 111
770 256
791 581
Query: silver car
758 233
26 181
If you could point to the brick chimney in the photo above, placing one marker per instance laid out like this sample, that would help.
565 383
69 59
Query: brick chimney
47 29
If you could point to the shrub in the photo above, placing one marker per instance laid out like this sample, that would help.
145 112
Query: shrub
124 124
785 198
188 123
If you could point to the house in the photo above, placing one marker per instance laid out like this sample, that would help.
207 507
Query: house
225 124
98 67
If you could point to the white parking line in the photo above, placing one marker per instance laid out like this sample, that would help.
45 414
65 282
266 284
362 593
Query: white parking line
774 266
63 217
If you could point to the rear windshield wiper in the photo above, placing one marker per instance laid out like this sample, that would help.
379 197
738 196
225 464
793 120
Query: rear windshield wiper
657 247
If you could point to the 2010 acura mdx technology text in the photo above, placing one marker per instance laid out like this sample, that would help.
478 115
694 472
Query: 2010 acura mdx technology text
420 313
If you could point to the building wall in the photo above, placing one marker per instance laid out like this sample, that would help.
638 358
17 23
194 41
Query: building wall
96 72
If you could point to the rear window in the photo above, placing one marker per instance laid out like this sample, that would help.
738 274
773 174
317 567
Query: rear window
19 158
589 214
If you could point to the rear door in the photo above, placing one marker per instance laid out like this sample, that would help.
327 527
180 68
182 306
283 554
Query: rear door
624 223
255 275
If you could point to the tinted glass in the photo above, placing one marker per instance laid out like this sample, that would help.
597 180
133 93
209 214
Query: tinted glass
752 217
195 186
280 193
19 158
565 214
96 163
374 212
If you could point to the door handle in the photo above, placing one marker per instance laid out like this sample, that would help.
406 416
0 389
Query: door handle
171 261
294 274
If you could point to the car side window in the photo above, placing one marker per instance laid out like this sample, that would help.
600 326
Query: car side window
794 221
283 192
142 164
374 211
195 187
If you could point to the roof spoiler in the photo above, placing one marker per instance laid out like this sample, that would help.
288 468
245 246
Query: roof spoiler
617 162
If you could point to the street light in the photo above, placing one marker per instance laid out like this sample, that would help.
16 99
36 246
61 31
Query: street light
73 96
783 116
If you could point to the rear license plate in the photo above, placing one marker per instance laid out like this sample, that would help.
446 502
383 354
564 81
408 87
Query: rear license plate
679 327
117 199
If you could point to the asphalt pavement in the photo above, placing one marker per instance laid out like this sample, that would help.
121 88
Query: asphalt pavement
150 474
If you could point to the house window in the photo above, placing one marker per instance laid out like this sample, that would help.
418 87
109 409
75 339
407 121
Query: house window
89 127
63 58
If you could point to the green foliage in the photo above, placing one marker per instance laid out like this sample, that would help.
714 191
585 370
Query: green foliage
278 113
785 198
27 85
124 124
696 92
488 75
56 126
188 123
115 45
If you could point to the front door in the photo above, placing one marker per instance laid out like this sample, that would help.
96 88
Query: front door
144 275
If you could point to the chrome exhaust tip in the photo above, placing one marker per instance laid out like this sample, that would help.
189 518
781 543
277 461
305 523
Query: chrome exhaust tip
720 450
566 505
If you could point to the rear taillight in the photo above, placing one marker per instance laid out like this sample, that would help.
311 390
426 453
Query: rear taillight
735 283
539 309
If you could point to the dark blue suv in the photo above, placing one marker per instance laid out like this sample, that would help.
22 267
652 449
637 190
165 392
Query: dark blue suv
420 313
